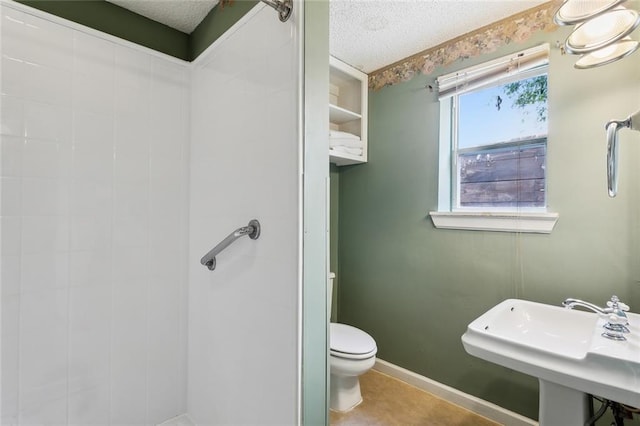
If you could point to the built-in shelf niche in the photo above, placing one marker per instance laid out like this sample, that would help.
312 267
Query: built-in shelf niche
347 108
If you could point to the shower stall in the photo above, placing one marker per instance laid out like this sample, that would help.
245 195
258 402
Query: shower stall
120 167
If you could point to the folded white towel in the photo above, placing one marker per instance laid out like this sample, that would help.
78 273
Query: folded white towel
342 135
349 143
352 151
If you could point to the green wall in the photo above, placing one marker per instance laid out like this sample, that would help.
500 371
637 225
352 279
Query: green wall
415 288
117 21
216 23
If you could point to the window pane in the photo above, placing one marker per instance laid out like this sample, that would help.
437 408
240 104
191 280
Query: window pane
501 145
503 176
510 112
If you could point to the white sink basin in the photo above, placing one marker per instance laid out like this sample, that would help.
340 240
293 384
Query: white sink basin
560 346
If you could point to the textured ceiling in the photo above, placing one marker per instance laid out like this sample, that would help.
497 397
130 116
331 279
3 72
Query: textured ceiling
368 34
183 15
371 34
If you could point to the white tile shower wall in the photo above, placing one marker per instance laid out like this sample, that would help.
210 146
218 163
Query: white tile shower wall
94 175
244 165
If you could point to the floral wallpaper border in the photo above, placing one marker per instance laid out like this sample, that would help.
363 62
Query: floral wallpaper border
517 28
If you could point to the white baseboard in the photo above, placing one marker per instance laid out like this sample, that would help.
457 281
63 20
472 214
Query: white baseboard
464 400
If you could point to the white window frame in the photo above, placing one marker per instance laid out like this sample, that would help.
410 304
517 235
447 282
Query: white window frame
518 66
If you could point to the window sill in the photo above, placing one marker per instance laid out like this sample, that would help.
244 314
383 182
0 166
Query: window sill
540 223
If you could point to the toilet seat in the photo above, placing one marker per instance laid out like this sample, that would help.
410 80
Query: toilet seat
350 342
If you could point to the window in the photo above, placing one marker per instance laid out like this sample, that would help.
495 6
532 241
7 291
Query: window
500 146
493 140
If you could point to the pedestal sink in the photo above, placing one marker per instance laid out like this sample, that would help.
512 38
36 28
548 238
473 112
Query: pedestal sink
565 350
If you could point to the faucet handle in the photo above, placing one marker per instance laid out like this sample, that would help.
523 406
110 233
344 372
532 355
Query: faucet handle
616 304
616 319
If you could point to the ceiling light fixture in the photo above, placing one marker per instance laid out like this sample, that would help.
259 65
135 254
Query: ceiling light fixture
601 34
573 12
602 31
606 55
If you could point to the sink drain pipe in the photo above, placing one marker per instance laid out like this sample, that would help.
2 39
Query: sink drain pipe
620 411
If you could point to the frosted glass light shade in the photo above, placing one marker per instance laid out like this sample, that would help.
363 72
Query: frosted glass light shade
608 54
573 12
602 31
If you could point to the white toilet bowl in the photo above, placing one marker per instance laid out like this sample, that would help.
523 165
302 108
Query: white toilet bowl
352 353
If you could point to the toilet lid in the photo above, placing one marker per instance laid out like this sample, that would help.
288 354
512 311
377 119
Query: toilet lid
351 342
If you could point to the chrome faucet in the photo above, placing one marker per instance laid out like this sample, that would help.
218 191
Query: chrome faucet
572 303
617 320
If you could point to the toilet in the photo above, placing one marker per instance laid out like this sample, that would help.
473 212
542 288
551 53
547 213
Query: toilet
352 353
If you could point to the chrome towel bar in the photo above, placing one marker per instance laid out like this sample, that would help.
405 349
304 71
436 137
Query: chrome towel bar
252 230
283 7
632 122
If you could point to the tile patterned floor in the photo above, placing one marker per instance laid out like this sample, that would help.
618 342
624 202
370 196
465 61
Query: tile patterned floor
389 402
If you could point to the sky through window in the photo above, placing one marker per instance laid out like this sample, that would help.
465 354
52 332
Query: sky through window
488 116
